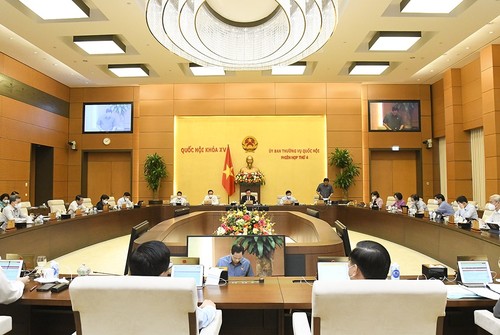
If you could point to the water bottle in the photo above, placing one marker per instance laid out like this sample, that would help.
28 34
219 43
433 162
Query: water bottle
395 271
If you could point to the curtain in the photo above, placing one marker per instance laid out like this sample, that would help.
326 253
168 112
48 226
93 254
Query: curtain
443 176
478 170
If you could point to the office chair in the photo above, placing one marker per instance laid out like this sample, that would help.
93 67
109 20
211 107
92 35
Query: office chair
487 321
5 324
375 307
25 205
137 305
56 205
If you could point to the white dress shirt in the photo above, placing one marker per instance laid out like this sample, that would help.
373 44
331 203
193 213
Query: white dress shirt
11 213
287 199
177 200
212 198
73 206
126 201
10 290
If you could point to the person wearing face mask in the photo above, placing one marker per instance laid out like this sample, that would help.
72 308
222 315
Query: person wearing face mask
125 200
288 199
4 201
179 200
13 210
444 208
369 260
417 204
494 206
104 201
465 211
210 199
377 201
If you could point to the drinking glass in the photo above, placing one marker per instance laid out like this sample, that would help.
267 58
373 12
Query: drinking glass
41 261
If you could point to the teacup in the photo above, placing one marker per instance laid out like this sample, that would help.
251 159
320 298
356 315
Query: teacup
48 274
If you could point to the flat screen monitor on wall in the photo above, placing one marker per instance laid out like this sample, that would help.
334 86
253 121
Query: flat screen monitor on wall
394 115
107 117
209 248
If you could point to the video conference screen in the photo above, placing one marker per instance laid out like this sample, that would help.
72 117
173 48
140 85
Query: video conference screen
394 115
107 117
209 248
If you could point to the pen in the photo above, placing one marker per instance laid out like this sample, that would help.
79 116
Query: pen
33 288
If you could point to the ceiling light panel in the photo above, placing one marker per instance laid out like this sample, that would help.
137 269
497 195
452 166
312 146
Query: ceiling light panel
100 44
198 70
368 68
394 41
129 70
429 6
58 9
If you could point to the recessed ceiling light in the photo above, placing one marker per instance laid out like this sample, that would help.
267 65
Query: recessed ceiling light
198 70
100 44
368 68
129 70
295 69
58 9
394 40
429 6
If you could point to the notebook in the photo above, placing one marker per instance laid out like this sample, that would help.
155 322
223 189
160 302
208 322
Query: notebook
333 271
189 271
475 273
12 268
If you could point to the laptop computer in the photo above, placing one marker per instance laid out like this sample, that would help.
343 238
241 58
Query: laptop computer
333 271
179 260
12 268
475 273
494 227
189 271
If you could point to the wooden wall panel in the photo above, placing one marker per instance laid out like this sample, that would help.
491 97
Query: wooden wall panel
300 91
249 107
471 95
109 94
250 91
157 108
343 91
198 107
28 76
438 109
300 106
201 91
157 92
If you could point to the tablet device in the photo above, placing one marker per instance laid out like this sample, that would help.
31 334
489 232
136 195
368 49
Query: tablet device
12 268
189 271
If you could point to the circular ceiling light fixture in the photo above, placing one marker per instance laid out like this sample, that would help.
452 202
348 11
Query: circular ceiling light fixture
262 34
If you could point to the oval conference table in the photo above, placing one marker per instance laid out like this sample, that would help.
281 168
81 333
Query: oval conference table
49 313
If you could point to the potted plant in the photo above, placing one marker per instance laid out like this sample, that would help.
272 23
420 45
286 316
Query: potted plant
341 158
155 170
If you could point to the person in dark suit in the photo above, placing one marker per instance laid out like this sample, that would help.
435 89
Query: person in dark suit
247 197
104 201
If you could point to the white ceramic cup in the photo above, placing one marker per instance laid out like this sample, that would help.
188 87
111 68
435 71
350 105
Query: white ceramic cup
48 273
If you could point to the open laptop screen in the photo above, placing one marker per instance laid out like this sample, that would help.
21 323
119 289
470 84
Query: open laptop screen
333 271
12 268
475 273
189 271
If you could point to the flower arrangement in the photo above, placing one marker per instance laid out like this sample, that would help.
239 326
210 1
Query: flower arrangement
240 221
253 229
249 178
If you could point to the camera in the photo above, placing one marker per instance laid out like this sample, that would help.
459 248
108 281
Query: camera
428 143
72 145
